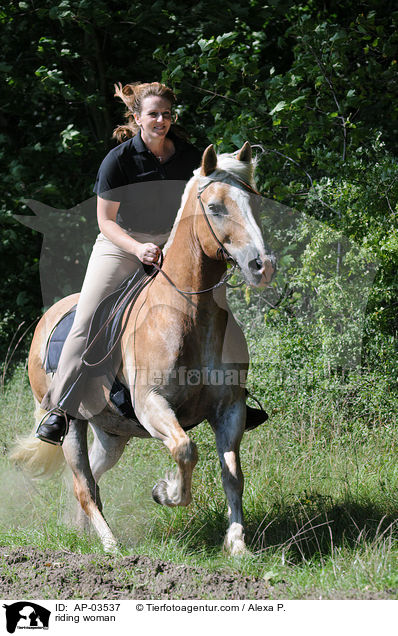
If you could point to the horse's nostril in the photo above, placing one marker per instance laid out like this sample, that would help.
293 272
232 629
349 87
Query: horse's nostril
255 264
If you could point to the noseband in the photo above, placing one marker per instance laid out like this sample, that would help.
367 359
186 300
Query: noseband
222 252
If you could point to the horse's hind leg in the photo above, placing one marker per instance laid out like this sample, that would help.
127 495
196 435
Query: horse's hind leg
104 453
229 430
161 422
85 487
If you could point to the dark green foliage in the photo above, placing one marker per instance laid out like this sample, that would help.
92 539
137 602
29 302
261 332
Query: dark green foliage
314 83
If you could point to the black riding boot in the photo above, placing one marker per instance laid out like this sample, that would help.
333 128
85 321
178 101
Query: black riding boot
254 417
53 427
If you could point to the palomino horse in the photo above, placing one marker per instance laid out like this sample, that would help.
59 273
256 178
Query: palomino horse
171 331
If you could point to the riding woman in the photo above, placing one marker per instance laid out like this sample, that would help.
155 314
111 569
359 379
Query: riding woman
150 150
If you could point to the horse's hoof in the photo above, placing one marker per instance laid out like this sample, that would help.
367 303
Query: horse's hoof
237 552
236 548
159 493
111 546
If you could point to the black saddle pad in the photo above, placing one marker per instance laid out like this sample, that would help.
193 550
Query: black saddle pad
56 340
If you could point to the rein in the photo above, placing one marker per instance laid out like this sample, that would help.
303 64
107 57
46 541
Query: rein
222 251
223 281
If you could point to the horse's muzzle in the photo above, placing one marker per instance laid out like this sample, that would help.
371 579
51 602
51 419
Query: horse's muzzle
263 269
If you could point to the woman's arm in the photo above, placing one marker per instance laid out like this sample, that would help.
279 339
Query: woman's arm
148 253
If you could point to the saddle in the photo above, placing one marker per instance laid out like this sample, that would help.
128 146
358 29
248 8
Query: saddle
106 329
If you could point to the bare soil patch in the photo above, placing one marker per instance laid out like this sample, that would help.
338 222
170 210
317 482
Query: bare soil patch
27 573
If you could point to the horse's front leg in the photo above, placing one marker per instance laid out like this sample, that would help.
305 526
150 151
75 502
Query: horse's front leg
229 428
160 421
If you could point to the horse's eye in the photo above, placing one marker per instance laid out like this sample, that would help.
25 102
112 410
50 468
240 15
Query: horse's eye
216 209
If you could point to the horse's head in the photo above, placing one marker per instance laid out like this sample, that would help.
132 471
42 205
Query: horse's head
228 199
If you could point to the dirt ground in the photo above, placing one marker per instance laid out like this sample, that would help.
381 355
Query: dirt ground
26 573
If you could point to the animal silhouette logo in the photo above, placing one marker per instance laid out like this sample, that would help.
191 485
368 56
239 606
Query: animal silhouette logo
26 615
69 234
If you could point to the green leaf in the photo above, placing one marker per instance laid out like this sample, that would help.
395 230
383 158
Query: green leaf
177 71
205 45
226 38
298 100
280 106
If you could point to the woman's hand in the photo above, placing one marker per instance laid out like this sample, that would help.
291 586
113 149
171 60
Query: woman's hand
148 253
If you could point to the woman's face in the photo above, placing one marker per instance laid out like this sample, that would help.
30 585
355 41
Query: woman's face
154 118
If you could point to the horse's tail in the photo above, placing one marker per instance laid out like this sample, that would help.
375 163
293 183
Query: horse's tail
38 458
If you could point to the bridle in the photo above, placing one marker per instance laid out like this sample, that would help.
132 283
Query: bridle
222 252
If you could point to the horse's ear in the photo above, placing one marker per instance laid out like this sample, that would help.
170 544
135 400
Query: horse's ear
245 153
209 161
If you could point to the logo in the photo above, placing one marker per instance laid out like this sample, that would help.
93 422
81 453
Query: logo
26 615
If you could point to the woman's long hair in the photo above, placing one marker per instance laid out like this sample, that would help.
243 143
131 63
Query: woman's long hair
133 95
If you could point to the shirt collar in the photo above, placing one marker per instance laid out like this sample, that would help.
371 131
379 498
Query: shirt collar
141 147
138 143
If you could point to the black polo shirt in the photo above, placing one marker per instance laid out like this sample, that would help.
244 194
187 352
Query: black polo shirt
124 175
